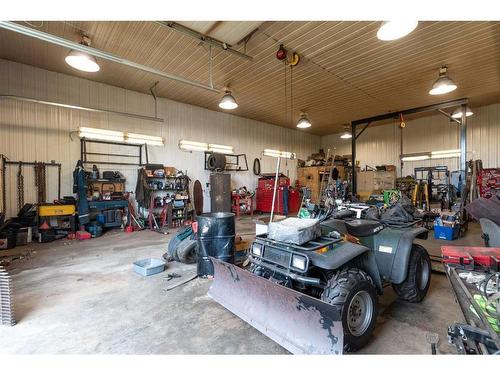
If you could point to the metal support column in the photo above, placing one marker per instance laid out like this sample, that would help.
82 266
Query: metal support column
463 141
353 153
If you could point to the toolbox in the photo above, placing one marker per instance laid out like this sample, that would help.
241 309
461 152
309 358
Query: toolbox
446 233
56 209
471 257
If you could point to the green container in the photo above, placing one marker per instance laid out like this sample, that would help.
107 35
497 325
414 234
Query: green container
391 196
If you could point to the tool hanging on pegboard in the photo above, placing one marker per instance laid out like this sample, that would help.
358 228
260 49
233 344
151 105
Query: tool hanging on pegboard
20 187
40 182
6 303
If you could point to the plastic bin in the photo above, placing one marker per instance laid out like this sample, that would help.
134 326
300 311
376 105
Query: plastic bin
446 233
150 266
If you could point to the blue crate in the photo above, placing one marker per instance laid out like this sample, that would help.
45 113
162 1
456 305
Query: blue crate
446 233
149 266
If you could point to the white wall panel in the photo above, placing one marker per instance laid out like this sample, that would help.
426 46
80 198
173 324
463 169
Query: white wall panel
381 144
37 132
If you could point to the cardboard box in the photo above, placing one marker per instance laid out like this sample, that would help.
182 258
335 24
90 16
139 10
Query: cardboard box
375 181
170 171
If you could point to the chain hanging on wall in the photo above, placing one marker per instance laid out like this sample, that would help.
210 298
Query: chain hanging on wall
40 182
20 187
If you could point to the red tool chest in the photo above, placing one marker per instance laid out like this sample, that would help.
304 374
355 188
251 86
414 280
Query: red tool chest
264 195
488 182
472 257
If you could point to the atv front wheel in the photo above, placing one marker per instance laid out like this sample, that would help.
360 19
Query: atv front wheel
352 290
416 285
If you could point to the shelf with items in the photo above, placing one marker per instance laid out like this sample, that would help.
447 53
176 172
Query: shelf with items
166 197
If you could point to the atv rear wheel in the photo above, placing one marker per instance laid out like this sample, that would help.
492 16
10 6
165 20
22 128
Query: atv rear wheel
352 290
416 285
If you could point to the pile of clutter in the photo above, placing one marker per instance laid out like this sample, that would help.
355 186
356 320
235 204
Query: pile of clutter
320 158
447 226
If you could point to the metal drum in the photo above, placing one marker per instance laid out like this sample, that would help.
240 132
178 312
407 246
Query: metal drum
216 232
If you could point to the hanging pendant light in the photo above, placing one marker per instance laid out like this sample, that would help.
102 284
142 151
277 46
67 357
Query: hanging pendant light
392 30
443 84
347 133
303 122
457 113
82 60
228 101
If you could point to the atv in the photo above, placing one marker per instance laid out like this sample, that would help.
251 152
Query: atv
322 296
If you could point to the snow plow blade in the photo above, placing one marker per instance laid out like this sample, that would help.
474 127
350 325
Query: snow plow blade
299 323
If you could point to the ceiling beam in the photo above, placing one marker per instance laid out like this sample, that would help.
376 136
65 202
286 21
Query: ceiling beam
427 108
46 37
203 38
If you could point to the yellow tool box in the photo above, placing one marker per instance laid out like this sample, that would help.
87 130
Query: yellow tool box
56 209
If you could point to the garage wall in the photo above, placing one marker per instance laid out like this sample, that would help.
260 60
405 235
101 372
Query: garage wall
381 144
31 132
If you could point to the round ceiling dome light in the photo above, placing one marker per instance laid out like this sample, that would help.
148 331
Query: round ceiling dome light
228 101
444 84
82 61
303 122
346 134
392 30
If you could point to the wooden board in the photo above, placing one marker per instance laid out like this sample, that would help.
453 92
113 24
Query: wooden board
198 197
311 177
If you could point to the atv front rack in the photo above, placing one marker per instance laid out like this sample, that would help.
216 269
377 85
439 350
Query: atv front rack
313 245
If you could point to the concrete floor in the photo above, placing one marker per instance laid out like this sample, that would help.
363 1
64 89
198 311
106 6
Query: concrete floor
76 297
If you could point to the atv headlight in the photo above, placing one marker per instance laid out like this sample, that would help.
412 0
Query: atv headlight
257 250
299 262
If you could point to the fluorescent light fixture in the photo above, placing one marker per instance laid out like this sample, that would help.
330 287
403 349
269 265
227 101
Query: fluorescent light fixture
303 122
228 101
457 113
185 145
431 155
141 139
222 149
443 84
192 146
118 136
101 134
445 154
278 153
445 151
415 158
392 30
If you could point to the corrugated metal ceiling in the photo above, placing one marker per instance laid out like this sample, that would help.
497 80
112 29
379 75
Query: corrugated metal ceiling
345 73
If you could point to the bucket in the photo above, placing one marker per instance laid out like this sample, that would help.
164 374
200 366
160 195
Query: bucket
216 232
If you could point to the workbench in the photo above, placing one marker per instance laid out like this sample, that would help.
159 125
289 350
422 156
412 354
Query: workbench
100 206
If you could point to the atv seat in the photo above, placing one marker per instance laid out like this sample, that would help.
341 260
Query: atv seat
363 228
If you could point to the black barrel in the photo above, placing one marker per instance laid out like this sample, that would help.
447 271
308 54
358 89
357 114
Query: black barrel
216 233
